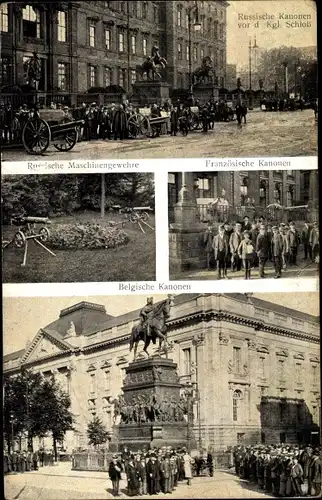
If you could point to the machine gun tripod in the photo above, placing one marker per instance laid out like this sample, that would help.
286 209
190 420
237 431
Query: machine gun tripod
27 230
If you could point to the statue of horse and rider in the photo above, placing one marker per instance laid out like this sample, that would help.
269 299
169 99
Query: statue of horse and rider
150 65
205 73
152 325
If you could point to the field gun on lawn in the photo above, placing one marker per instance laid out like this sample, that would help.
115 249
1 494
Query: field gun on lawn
27 230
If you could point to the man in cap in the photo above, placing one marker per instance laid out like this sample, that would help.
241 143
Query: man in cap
315 473
277 251
262 250
114 471
207 241
234 242
246 253
220 247
305 238
283 230
315 241
294 241
246 224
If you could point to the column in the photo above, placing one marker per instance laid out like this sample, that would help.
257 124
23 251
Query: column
253 186
270 187
297 176
185 211
284 189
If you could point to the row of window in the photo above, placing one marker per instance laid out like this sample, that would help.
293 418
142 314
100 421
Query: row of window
140 10
121 42
185 20
218 55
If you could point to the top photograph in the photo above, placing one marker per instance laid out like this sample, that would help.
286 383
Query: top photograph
158 79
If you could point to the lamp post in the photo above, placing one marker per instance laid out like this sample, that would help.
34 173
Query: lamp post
250 64
12 431
190 393
197 27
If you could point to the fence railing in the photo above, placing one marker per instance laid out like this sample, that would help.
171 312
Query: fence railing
95 461
208 213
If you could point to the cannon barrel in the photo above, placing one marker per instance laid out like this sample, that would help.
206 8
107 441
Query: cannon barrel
36 220
65 127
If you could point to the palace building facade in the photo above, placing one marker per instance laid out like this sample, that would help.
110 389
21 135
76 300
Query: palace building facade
253 366
97 44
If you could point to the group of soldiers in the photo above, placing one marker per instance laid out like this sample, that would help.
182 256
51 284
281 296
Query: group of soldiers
284 471
155 470
25 461
254 244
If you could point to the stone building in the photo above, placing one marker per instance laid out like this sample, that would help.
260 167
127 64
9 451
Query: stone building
90 44
253 365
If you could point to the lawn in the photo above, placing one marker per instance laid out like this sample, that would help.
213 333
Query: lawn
132 262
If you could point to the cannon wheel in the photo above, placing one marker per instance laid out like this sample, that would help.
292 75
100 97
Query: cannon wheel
36 136
144 216
134 218
19 239
66 140
138 126
44 233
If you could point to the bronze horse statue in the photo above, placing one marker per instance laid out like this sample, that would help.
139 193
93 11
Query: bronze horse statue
149 66
205 73
156 328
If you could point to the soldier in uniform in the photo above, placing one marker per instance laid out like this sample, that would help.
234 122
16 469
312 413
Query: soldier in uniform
145 315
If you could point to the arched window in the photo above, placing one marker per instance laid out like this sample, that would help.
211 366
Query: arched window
237 396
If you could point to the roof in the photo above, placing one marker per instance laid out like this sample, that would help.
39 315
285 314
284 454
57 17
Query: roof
13 355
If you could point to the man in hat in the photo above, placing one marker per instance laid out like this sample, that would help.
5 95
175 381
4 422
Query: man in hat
141 467
114 471
277 251
262 250
305 238
315 241
283 230
246 224
234 242
220 247
207 241
294 241
315 473
153 475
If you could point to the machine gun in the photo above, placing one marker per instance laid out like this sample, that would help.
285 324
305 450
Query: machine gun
27 230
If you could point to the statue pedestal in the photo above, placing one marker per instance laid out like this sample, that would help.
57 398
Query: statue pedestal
203 92
167 426
150 92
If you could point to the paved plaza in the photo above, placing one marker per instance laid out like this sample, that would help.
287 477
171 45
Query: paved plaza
59 482
304 269
265 134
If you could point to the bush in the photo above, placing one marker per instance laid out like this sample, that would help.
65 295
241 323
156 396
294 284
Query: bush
89 235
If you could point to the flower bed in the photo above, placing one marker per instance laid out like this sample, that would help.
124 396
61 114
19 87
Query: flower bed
87 235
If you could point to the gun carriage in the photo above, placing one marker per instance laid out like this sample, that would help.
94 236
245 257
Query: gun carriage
28 230
142 124
50 126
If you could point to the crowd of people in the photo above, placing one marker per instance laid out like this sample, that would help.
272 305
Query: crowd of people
255 244
106 122
25 461
154 471
282 470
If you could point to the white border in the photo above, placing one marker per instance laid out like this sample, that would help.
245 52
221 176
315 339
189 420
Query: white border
153 165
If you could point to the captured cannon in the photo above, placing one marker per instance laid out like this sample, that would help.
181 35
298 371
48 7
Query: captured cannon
50 126
28 230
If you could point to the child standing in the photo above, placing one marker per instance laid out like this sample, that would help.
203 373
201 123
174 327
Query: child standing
246 252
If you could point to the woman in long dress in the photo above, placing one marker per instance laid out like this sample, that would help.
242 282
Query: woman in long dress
187 461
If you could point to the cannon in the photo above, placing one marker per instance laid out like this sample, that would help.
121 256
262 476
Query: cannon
142 125
50 126
27 230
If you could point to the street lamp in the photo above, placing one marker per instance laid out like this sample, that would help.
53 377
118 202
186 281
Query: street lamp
197 27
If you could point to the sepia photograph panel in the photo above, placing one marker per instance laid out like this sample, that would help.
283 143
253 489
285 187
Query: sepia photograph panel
204 392
62 228
243 224
134 79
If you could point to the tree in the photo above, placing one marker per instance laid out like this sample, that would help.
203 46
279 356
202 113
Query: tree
36 406
302 69
96 432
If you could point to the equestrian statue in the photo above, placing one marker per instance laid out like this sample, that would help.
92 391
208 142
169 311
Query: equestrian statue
149 66
152 325
32 68
205 72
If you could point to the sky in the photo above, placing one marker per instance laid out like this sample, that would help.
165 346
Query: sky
267 36
23 317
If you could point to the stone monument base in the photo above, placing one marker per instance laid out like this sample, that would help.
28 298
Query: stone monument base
203 92
186 250
150 92
152 391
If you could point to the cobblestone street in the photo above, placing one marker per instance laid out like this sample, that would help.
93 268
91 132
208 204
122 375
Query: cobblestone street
265 134
59 482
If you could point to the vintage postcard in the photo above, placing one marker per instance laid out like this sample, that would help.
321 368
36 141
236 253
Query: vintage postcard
191 384
163 79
